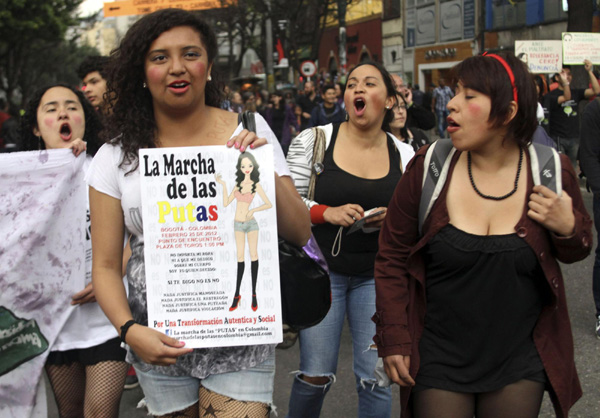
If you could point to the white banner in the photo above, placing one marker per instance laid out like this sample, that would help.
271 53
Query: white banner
541 57
579 46
42 263
195 251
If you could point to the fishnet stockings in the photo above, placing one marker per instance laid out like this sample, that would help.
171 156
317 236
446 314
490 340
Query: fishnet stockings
521 399
214 405
88 391
189 412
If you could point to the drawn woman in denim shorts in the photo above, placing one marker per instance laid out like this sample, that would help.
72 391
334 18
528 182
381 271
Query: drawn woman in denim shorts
246 187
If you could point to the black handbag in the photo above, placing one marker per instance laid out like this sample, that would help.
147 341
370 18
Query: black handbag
305 286
304 277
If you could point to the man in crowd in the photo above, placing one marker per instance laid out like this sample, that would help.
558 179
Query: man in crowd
417 116
3 114
308 101
92 73
329 111
562 104
439 102
589 157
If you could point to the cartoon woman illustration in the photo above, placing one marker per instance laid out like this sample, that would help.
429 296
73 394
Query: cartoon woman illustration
246 187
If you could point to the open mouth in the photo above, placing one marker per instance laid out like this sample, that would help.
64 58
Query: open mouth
65 132
359 106
452 125
179 85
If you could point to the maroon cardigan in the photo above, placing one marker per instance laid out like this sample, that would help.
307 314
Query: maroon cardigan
400 279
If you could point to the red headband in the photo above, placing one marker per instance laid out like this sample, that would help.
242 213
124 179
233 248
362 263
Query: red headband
508 71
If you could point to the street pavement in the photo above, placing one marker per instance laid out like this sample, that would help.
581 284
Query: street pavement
341 401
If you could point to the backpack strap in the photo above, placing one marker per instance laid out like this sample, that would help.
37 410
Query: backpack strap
435 167
546 167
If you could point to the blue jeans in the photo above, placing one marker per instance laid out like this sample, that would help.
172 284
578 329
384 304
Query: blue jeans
442 123
596 273
319 347
569 147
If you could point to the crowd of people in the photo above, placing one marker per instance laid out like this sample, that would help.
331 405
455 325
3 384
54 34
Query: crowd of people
466 305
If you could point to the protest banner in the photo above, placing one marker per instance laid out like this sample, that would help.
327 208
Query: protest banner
209 219
42 264
541 57
579 46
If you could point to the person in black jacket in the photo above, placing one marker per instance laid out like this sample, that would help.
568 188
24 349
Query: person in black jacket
418 116
589 158
329 111
414 137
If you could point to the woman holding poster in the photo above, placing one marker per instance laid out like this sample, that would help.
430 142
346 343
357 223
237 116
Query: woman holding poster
166 94
86 366
246 187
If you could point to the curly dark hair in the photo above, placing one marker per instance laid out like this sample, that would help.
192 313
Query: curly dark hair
389 86
131 120
29 121
239 174
93 63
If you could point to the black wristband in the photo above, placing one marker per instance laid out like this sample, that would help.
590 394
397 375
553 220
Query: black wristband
125 327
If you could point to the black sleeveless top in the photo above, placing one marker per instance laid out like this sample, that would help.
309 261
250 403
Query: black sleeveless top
336 187
484 297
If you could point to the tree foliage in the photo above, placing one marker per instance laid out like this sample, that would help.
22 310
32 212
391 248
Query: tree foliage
244 22
33 49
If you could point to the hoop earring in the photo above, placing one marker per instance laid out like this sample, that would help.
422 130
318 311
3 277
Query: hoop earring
347 117
39 142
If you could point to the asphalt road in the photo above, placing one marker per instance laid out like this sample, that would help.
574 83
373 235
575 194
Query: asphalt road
341 401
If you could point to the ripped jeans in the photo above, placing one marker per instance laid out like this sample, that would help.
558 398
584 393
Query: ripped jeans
353 296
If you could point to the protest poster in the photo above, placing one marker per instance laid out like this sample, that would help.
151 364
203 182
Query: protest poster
579 46
42 264
541 57
209 219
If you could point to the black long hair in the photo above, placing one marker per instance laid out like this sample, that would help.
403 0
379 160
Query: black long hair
389 86
239 175
29 121
131 121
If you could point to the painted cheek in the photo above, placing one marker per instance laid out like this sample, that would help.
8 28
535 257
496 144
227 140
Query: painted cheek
199 68
77 119
475 110
49 121
154 74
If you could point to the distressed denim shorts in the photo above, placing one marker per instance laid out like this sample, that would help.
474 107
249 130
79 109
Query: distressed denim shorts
168 394
245 227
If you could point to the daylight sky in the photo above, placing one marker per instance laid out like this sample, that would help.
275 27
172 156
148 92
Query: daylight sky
90 6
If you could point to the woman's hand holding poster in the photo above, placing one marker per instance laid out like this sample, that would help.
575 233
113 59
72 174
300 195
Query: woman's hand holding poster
210 233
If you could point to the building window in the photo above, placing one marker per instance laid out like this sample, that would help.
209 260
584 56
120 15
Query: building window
391 9
502 14
555 10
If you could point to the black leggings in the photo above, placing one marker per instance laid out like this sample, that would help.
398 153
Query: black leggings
521 399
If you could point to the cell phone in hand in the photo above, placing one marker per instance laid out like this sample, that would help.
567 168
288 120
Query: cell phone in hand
360 224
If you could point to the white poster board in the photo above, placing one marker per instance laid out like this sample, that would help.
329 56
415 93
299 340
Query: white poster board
193 252
579 46
42 264
541 57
